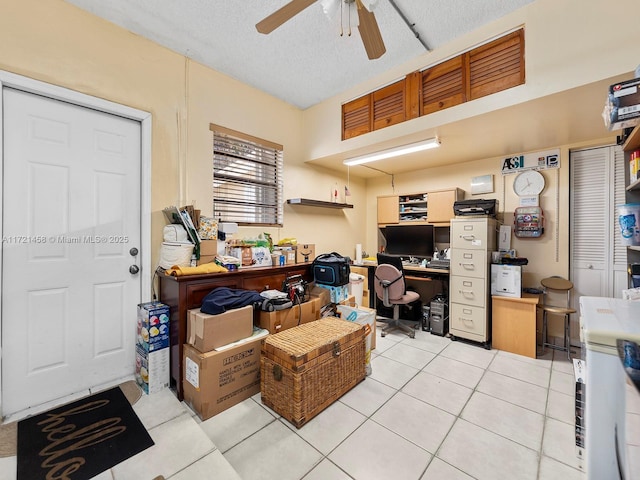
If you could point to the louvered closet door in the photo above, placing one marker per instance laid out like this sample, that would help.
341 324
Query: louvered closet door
598 260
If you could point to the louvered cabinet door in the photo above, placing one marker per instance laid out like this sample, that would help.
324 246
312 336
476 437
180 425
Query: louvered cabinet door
389 105
598 258
356 117
443 86
496 66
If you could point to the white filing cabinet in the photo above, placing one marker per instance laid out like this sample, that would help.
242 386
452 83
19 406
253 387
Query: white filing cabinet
472 241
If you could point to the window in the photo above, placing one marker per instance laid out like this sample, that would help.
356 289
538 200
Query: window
247 178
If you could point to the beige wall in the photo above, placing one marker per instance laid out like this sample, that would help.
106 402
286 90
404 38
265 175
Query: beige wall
55 42
60 44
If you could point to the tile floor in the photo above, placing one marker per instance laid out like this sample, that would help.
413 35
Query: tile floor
432 409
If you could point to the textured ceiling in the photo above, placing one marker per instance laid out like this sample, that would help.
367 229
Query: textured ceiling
304 61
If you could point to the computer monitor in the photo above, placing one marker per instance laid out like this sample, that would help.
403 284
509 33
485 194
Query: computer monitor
409 240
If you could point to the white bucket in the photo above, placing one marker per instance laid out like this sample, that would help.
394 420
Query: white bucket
356 287
629 222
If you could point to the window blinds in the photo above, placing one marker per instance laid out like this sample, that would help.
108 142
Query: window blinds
247 178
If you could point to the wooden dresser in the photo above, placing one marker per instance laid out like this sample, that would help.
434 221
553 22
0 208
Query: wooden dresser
184 293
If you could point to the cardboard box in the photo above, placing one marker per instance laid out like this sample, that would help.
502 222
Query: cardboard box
281 320
208 248
289 254
153 326
336 294
322 293
624 104
205 259
152 369
217 380
305 253
152 347
206 332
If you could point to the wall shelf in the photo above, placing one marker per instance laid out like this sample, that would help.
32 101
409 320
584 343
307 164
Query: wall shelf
317 203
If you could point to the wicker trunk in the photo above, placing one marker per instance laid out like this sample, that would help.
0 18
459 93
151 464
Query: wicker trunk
305 369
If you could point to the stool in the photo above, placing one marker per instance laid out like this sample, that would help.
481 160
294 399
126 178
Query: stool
557 284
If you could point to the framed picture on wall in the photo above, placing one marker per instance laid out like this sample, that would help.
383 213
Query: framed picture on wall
482 184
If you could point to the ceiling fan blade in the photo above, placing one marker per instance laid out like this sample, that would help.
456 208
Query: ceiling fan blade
277 18
370 33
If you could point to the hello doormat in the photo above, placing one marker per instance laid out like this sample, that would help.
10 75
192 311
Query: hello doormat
79 440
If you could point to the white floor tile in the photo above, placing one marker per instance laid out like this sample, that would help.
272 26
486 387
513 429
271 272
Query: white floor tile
429 342
204 469
368 396
559 442
233 425
274 453
416 421
439 392
8 468
561 407
327 430
514 391
473 355
526 372
409 355
545 360
326 470
562 382
158 408
551 469
178 443
455 371
374 453
506 419
487 456
391 372
439 470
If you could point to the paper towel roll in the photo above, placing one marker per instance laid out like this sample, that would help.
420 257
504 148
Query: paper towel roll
358 253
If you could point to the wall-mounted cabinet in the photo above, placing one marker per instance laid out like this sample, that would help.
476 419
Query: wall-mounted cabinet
427 207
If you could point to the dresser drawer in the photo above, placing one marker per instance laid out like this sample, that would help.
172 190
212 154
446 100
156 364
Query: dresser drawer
468 290
470 234
470 263
469 319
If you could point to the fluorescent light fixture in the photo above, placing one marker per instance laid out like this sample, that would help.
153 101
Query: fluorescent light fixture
394 152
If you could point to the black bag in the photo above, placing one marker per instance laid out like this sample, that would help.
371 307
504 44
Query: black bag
331 269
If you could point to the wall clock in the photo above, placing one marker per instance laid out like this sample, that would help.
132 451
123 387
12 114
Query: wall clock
529 182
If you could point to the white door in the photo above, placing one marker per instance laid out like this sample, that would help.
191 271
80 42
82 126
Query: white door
598 261
71 215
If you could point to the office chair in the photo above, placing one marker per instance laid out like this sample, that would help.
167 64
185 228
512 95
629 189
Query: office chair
390 289
559 285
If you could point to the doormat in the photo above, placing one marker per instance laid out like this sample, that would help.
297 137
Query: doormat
79 440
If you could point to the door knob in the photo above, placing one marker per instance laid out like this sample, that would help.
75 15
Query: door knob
133 269
133 252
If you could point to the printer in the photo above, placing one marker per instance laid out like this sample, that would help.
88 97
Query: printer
475 206
506 280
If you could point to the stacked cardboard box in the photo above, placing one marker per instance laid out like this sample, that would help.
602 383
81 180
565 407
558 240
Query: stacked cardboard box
152 347
221 360
298 314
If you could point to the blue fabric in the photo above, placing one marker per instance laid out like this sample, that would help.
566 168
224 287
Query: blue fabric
224 298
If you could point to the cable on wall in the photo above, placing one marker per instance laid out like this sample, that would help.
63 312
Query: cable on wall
557 215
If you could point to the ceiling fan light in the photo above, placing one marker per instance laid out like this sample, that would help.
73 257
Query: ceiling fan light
394 152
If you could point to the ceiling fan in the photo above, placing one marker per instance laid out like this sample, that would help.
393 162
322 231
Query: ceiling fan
368 26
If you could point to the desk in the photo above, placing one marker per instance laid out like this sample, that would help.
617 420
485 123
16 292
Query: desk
416 277
184 293
514 324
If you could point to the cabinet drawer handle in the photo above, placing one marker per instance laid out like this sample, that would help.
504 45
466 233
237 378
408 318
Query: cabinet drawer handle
466 292
468 266
468 237
466 320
